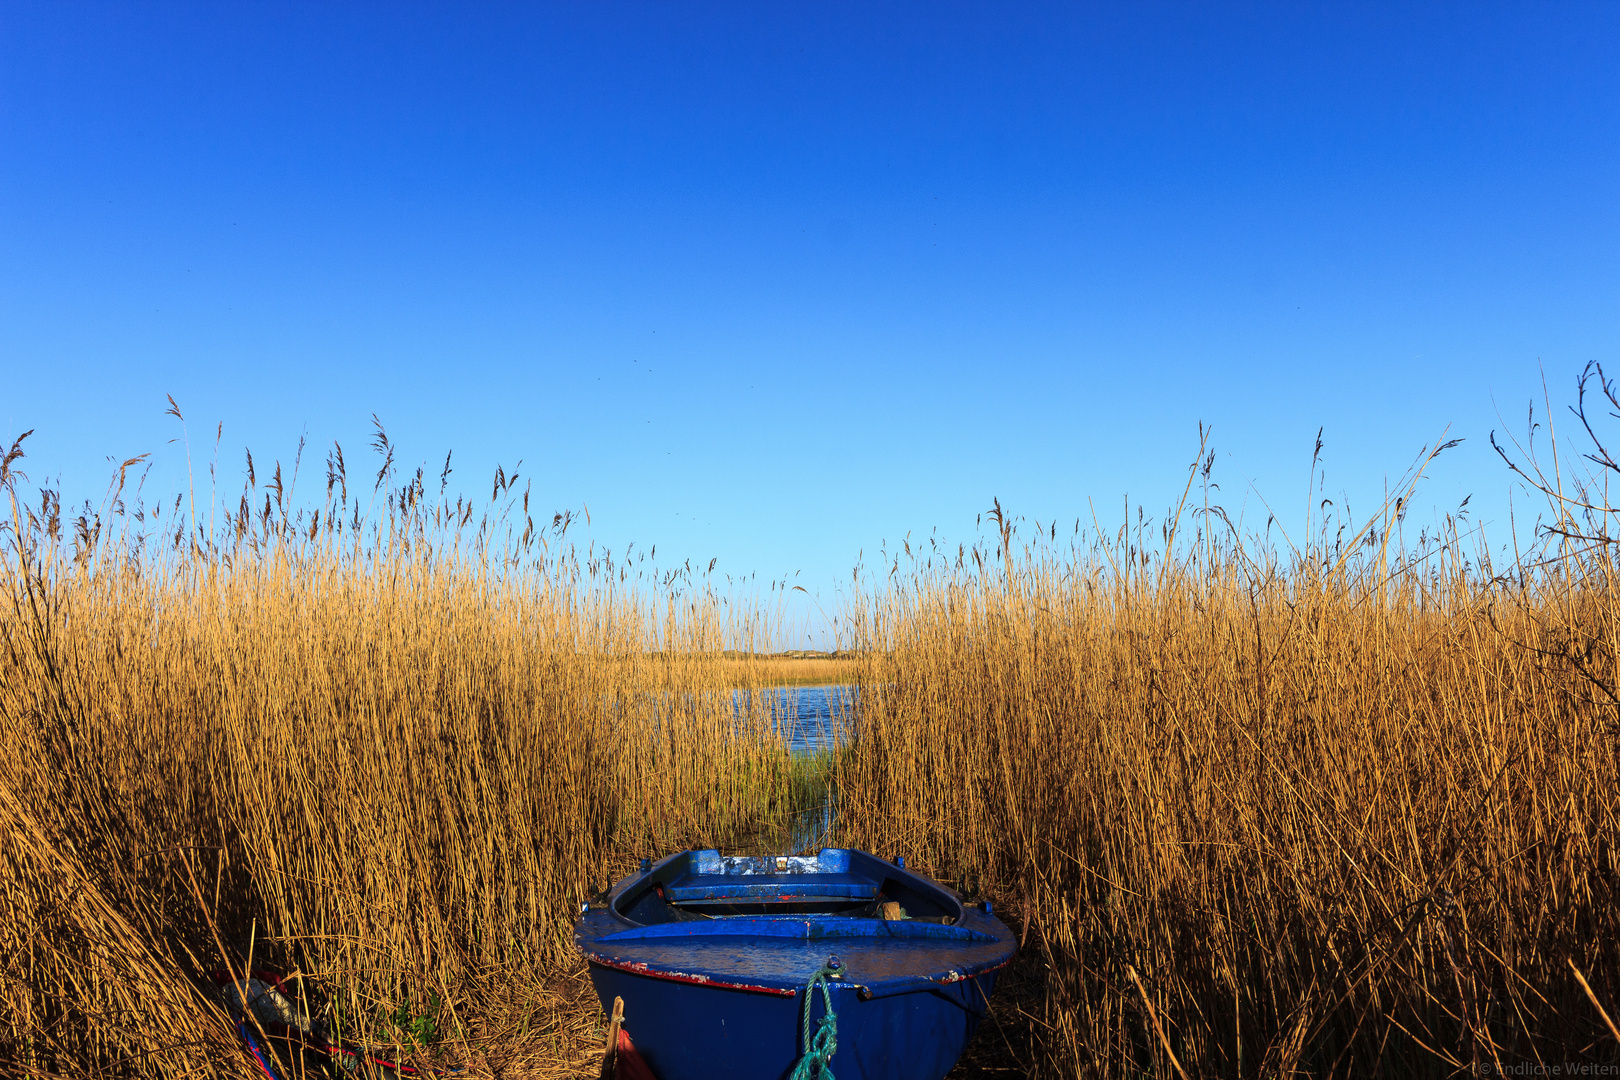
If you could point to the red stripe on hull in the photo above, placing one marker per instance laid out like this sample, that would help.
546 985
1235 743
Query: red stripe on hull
683 977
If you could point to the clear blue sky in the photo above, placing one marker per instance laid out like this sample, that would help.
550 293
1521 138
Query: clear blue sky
774 283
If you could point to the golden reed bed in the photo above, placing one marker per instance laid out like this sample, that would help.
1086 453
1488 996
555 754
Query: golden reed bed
1348 810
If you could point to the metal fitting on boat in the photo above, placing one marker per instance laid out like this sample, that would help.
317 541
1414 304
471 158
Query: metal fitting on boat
985 904
900 861
646 864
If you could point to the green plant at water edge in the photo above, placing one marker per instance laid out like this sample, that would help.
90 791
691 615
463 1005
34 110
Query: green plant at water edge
421 1028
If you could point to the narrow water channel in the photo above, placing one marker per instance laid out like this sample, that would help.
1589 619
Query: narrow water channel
814 720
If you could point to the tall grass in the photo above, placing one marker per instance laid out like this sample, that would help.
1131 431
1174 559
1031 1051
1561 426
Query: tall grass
393 750
1256 809
1347 809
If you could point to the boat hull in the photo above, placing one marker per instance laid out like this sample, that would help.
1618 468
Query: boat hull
715 955
689 1031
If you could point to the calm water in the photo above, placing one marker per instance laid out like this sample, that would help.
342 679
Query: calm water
812 717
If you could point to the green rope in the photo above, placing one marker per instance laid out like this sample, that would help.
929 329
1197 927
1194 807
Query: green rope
817 1061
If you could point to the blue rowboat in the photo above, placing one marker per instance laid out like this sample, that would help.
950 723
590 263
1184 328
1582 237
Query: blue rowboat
713 956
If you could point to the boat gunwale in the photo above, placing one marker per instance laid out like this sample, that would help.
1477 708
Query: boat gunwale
867 991
968 927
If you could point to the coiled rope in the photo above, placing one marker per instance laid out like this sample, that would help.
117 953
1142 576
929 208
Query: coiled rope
816 1064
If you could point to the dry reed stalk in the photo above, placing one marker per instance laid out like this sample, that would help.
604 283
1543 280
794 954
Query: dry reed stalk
1153 1018
1587 987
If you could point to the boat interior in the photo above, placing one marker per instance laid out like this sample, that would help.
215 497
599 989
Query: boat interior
703 884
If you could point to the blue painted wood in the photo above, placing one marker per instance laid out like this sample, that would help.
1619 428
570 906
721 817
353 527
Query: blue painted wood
711 955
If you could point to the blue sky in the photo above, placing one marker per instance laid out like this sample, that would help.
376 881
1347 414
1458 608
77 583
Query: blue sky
775 283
